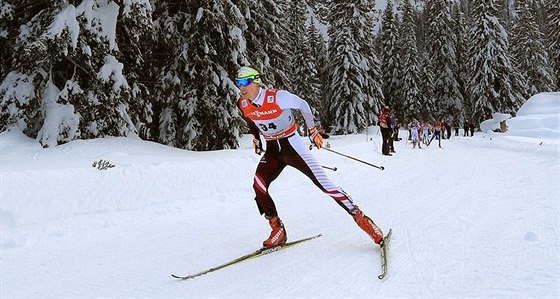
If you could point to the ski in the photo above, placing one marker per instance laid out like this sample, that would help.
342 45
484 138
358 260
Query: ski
384 245
252 255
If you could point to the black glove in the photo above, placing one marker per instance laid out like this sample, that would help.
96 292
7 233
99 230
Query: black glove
257 145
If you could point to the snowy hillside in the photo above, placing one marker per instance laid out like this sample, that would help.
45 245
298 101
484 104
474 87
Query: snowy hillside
478 218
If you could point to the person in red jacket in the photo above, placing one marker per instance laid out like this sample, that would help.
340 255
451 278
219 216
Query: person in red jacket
386 131
268 112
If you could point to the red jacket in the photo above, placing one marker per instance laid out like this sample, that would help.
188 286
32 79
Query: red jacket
384 119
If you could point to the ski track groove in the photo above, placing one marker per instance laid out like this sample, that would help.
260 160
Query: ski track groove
420 275
446 208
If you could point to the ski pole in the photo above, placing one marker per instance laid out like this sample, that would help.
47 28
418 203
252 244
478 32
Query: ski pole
350 157
333 151
329 168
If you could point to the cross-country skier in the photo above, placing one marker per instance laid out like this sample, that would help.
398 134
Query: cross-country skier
415 127
268 112
426 130
437 132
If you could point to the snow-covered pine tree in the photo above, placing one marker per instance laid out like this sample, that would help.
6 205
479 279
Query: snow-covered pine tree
412 103
465 7
529 53
281 57
318 47
7 11
492 86
170 19
442 60
209 118
297 72
354 89
461 58
399 6
506 12
66 56
431 109
136 43
320 9
22 79
9 110
374 79
419 17
267 40
304 73
103 109
553 37
390 68
317 53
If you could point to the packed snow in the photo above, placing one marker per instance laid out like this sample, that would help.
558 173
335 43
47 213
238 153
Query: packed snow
477 218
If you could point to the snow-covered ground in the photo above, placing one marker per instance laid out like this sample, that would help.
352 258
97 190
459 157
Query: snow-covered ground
478 218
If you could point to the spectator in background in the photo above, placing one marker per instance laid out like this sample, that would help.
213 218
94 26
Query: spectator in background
448 124
392 125
456 127
396 130
466 128
384 125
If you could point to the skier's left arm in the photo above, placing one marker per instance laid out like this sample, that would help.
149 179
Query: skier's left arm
288 100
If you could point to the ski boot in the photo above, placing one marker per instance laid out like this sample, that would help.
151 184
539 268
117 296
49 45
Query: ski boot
367 225
278 235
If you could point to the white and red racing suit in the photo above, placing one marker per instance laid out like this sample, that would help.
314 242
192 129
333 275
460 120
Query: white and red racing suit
270 115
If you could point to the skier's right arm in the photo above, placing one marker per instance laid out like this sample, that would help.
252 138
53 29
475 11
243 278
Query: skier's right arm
254 130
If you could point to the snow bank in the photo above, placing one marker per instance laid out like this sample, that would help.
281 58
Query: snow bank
537 118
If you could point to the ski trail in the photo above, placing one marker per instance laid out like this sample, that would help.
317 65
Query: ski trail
420 275
472 220
425 247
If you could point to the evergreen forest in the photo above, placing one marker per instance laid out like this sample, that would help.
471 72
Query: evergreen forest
164 69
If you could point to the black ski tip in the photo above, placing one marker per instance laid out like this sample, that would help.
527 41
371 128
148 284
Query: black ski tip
388 236
182 277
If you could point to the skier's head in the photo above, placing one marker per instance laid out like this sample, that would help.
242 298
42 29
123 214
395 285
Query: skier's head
246 75
248 81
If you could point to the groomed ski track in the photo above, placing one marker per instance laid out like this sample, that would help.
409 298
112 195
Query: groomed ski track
478 218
